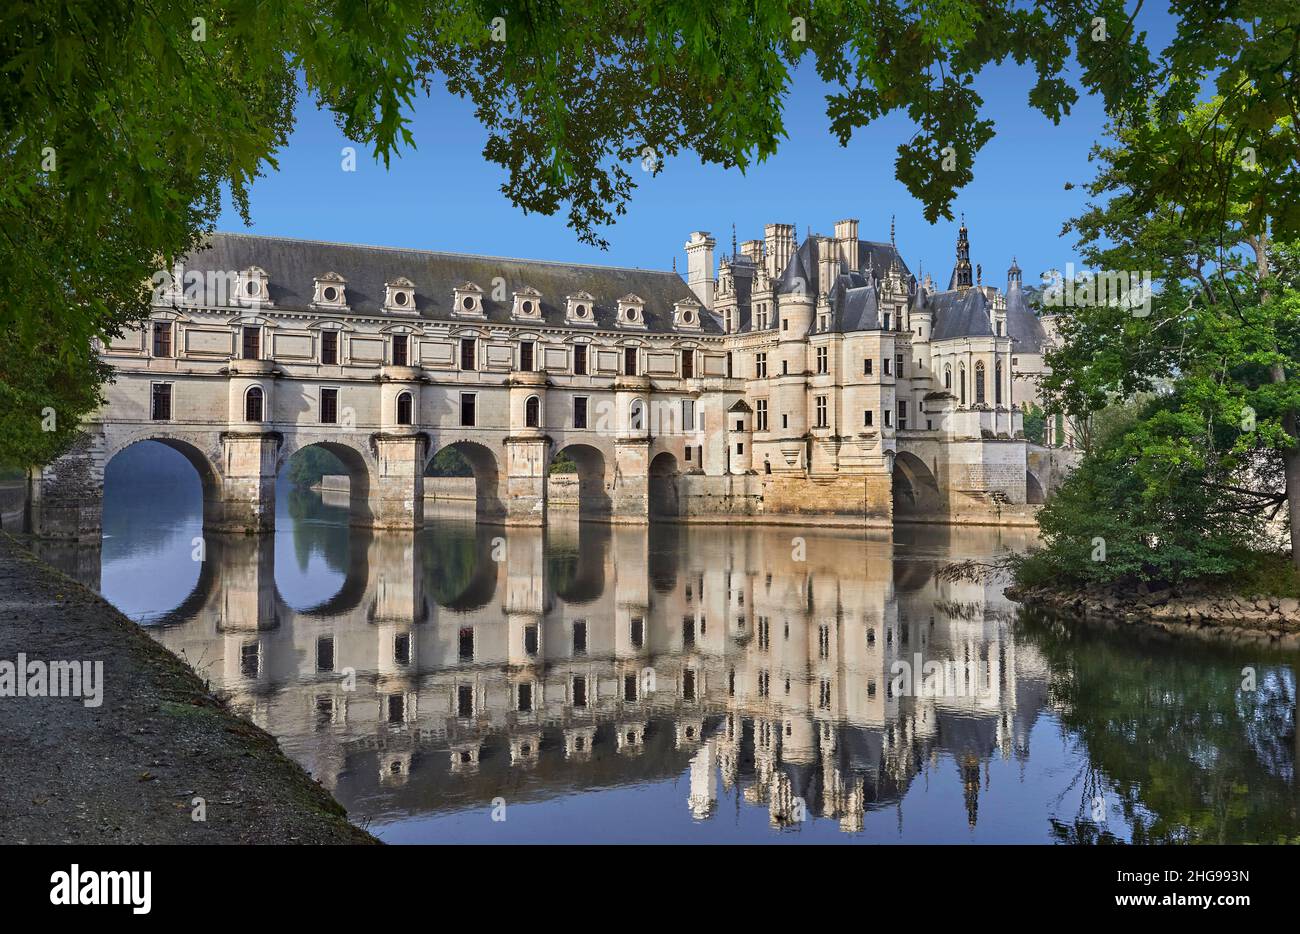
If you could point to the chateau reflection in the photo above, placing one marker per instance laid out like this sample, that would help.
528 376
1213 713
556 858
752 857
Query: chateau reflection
457 664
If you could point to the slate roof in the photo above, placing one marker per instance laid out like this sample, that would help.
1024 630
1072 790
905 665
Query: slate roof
292 266
959 314
1023 325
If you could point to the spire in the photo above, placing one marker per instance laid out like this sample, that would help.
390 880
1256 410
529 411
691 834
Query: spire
961 273
979 274
733 242
1013 274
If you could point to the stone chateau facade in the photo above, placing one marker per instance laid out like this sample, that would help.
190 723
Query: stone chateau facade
791 379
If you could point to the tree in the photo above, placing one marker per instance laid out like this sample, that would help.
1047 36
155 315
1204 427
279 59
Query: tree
1219 336
123 123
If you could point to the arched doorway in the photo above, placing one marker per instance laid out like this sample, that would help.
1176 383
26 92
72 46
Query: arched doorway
915 490
665 495
462 473
576 483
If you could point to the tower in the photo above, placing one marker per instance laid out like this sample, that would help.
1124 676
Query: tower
961 273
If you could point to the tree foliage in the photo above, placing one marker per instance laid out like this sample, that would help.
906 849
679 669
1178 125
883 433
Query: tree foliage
124 124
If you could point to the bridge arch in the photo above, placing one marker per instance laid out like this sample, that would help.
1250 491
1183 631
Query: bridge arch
664 493
481 463
915 489
1033 489
355 464
192 451
593 471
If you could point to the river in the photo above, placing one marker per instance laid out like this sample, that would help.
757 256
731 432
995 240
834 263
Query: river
726 683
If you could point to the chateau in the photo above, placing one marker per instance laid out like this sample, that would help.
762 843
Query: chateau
791 379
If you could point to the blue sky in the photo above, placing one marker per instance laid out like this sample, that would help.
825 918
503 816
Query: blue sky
443 196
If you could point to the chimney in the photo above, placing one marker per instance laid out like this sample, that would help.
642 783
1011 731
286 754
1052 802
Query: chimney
753 249
699 266
780 247
846 243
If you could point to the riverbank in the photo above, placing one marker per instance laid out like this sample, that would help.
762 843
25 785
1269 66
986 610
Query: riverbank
1194 611
131 765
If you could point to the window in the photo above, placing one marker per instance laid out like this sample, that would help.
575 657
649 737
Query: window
947 376
329 406
162 339
961 378
688 453
579 692
760 366
404 408
638 632
688 415
467 409
822 360
325 653
760 414
979 382
785 420
729 364
902 414
887 321
635 415
160 407
530 639
580 412
866 367
580 637
898 366
785 367
740 447
688 364
468 353
253 404
250 659
821 412
997 383
526 356
868 418
688 689
629 688
402 649
465 644
888 418
400 342
252 343
464 701
885 364
329 348
580 360
629 361
525 704
532 412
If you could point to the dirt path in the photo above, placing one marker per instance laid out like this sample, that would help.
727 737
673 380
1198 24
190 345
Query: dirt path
128 771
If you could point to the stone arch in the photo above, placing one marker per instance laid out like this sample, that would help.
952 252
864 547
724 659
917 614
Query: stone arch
1033 489
594 481
915 488
358 470
485 470
665 495
203 462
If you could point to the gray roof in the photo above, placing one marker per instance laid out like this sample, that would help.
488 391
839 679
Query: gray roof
1023 325
962 313
293 265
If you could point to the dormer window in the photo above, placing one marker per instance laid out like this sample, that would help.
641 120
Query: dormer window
467 301
252 287
631 311
528 304
399 296
686 315
330 292
580 308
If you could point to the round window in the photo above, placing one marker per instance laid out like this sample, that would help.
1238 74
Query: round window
631 314
399 298
688 317
581 311
330 293
467 303
528 308
253 287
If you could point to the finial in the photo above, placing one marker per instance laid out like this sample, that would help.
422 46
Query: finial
674 264
733 241
891 230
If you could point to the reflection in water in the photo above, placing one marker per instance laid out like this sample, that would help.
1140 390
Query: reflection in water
707 683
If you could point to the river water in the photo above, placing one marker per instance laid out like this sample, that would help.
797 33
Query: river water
697 684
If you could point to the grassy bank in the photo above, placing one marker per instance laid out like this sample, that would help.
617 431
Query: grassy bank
158 751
